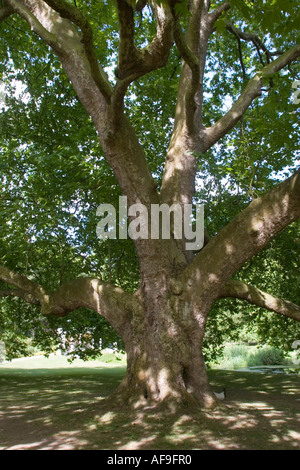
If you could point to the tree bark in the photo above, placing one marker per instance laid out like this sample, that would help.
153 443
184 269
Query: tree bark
164 352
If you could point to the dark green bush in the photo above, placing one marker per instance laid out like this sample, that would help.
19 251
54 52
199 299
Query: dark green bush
267 356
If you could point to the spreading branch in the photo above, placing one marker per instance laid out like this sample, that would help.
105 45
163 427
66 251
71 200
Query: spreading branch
250 37
110 301
59 27
57 23
22 283
28 298
246 235
241 290
258 43
133 62
212 134
218 12
27 10
114 304
72 14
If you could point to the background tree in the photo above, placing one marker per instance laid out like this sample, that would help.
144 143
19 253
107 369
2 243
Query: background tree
198 109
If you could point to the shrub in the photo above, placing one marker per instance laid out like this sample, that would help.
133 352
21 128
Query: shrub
267 356
236 350
234 356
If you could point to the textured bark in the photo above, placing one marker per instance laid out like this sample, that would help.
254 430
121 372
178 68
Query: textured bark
164 353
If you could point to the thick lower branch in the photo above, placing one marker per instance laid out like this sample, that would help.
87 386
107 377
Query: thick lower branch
28 298
22 283
114 304
246 235
241 290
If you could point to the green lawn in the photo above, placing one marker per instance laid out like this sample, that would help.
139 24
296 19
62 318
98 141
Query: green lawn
50 404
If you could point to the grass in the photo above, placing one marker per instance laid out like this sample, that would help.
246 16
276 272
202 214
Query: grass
51 405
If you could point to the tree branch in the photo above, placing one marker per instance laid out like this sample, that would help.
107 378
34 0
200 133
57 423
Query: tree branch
159 47
128 54
212 134
188 44
133 63
25 9
53 20
217 12
185 51
5 12
241 290
28 298
240 53
72 14
125 156
22 283
114 304
246 235
249 37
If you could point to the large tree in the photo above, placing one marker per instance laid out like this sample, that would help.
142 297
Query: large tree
162 323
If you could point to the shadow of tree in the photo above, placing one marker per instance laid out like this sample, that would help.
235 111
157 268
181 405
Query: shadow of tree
68 410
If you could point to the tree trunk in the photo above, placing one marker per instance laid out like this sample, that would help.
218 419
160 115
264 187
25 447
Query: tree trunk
164 350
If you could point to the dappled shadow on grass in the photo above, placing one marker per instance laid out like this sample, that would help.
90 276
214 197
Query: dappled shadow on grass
66 409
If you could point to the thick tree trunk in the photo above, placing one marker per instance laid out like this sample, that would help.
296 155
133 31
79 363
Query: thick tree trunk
164 351
158 374
165 369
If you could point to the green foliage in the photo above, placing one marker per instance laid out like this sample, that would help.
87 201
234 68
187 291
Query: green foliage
238 355
267 356
235 356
